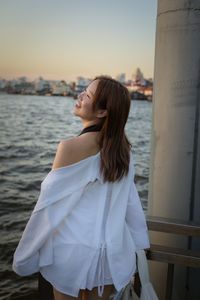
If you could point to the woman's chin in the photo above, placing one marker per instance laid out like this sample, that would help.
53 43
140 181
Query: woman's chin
74 110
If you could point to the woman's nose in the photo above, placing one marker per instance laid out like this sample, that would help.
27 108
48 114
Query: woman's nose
80 96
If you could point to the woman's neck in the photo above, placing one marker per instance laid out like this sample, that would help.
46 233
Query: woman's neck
88 123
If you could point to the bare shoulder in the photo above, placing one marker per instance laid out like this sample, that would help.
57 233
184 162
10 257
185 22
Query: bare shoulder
75 149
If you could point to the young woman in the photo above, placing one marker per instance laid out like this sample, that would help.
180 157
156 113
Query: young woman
88 221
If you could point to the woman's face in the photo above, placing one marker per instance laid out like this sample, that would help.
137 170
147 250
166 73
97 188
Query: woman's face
84 105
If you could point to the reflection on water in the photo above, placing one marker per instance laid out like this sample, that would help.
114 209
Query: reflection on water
31 127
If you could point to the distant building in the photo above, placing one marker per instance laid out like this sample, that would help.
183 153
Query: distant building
42 87
138 86
121 78
19 86
61 88
81 84
3 84
22 80
138 77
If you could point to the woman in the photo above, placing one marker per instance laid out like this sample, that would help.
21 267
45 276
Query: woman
88 221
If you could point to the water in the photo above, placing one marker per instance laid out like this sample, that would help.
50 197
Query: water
31 127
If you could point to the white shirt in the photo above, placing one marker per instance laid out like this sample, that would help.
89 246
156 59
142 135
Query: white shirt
83 232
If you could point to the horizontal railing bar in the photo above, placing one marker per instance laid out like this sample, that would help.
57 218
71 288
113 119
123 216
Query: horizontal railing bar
173 226
171 255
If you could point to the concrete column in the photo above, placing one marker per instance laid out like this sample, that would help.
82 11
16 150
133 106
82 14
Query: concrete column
174 186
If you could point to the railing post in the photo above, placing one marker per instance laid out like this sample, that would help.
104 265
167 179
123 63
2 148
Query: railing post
169 285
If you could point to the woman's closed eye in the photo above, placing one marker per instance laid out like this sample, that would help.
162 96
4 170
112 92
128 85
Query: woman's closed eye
87 94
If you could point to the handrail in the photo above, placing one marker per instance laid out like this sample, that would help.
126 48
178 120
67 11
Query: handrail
173 226
172 255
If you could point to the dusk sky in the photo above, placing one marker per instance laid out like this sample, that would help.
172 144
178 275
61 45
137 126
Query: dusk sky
63 39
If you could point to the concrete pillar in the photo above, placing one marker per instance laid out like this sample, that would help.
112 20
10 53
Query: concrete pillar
174 186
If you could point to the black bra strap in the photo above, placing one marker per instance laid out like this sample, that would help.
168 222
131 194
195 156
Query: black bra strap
92 128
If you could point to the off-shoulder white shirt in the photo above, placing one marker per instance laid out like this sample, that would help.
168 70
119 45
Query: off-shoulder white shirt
83 232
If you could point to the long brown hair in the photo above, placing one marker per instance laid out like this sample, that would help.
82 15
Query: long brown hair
115 147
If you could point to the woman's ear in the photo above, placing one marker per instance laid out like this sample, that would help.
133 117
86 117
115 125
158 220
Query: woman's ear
101 113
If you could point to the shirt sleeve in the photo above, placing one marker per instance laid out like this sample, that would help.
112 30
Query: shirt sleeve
35 246
61 191
136 221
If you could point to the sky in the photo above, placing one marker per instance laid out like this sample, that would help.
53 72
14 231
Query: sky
63 39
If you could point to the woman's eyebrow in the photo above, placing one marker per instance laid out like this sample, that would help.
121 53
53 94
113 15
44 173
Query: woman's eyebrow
87 90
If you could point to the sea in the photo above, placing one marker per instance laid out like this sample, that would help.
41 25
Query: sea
30 130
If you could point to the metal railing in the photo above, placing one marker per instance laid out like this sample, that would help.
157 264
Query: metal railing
172 255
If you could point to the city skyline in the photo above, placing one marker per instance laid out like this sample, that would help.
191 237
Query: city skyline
66 39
